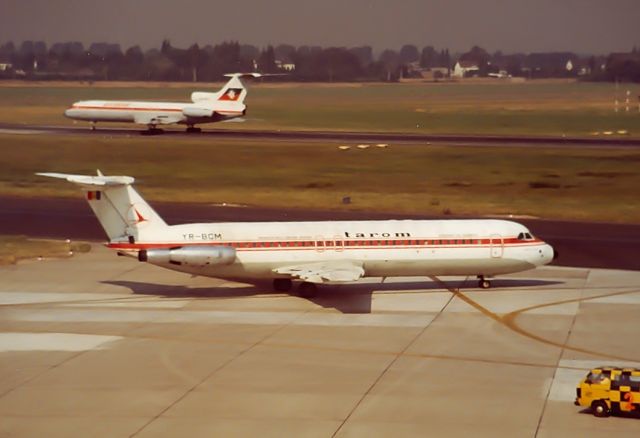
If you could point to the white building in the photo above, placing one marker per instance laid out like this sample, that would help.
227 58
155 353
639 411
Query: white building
465 68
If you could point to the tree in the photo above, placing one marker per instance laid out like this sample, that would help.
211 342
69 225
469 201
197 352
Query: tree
267 60
408 54
428 57
364 54
194 57
391 60
284 52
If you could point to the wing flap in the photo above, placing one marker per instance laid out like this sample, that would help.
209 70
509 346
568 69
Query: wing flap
343 271
156 119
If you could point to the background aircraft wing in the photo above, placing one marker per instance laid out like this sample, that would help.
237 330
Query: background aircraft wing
153 119
322 272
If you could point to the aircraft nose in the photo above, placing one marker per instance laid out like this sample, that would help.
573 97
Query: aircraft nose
547 254
68 112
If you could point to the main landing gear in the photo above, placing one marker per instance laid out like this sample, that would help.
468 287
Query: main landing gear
305 289
483 283
193 130
152 131
282 284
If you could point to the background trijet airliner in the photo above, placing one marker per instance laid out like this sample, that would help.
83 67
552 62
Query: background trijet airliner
205 107
314 252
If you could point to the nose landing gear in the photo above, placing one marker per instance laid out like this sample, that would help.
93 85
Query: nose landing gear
483 283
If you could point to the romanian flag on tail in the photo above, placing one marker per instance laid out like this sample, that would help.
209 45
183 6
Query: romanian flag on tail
94 195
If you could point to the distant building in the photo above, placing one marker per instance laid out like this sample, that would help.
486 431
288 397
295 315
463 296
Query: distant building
5 66
465 69
286 66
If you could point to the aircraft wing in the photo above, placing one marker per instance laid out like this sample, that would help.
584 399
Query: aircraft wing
153 119
322 272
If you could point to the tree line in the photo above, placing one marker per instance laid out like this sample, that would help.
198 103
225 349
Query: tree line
105 61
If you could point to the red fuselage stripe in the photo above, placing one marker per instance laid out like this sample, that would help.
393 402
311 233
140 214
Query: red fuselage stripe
110 108
339 244
125 108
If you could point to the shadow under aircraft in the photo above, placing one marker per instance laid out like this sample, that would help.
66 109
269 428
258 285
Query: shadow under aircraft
345 298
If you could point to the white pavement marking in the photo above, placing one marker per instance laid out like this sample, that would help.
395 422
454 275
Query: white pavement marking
219 317
145 304
48 297
12 341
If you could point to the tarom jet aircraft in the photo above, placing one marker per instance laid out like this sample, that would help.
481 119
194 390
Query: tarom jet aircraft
314 252
205 107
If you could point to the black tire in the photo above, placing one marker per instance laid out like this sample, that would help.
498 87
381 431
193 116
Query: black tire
282 284
600 409
152 131
307 290
484 283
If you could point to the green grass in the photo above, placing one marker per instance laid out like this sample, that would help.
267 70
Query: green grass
539 108
577 184
16 248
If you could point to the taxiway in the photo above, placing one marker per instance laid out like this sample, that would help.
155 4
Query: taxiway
100 345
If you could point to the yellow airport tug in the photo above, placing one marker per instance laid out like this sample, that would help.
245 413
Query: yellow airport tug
610 390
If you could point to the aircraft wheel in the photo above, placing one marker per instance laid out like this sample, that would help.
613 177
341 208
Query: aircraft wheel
307 290
193 130
282 284
483 283
600 409
152 131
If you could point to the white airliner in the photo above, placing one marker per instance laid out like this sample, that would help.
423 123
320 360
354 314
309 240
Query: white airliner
314 252
205 107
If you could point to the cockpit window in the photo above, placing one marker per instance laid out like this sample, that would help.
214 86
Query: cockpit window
525 236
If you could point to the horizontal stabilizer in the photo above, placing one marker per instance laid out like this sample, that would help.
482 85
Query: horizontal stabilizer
244 75
87 180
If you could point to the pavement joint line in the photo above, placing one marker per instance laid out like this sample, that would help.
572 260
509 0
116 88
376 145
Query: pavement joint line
218 368
38 375
391 363
508 320
559 360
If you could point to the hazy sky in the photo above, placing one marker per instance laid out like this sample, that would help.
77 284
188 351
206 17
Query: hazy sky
593 26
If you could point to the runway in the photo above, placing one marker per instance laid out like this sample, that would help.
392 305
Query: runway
591 245
338 136
106 346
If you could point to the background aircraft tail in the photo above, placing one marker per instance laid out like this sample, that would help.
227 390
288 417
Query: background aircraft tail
233 91
121 211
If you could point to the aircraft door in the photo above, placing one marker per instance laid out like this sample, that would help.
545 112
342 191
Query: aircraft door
319 242
496 245
339 244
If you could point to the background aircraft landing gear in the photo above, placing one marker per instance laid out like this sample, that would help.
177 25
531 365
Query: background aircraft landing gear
192 129
483 282
152 131
282 284
307 290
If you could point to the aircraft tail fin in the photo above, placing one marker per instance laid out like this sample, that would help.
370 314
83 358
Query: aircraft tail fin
121 211
232 93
